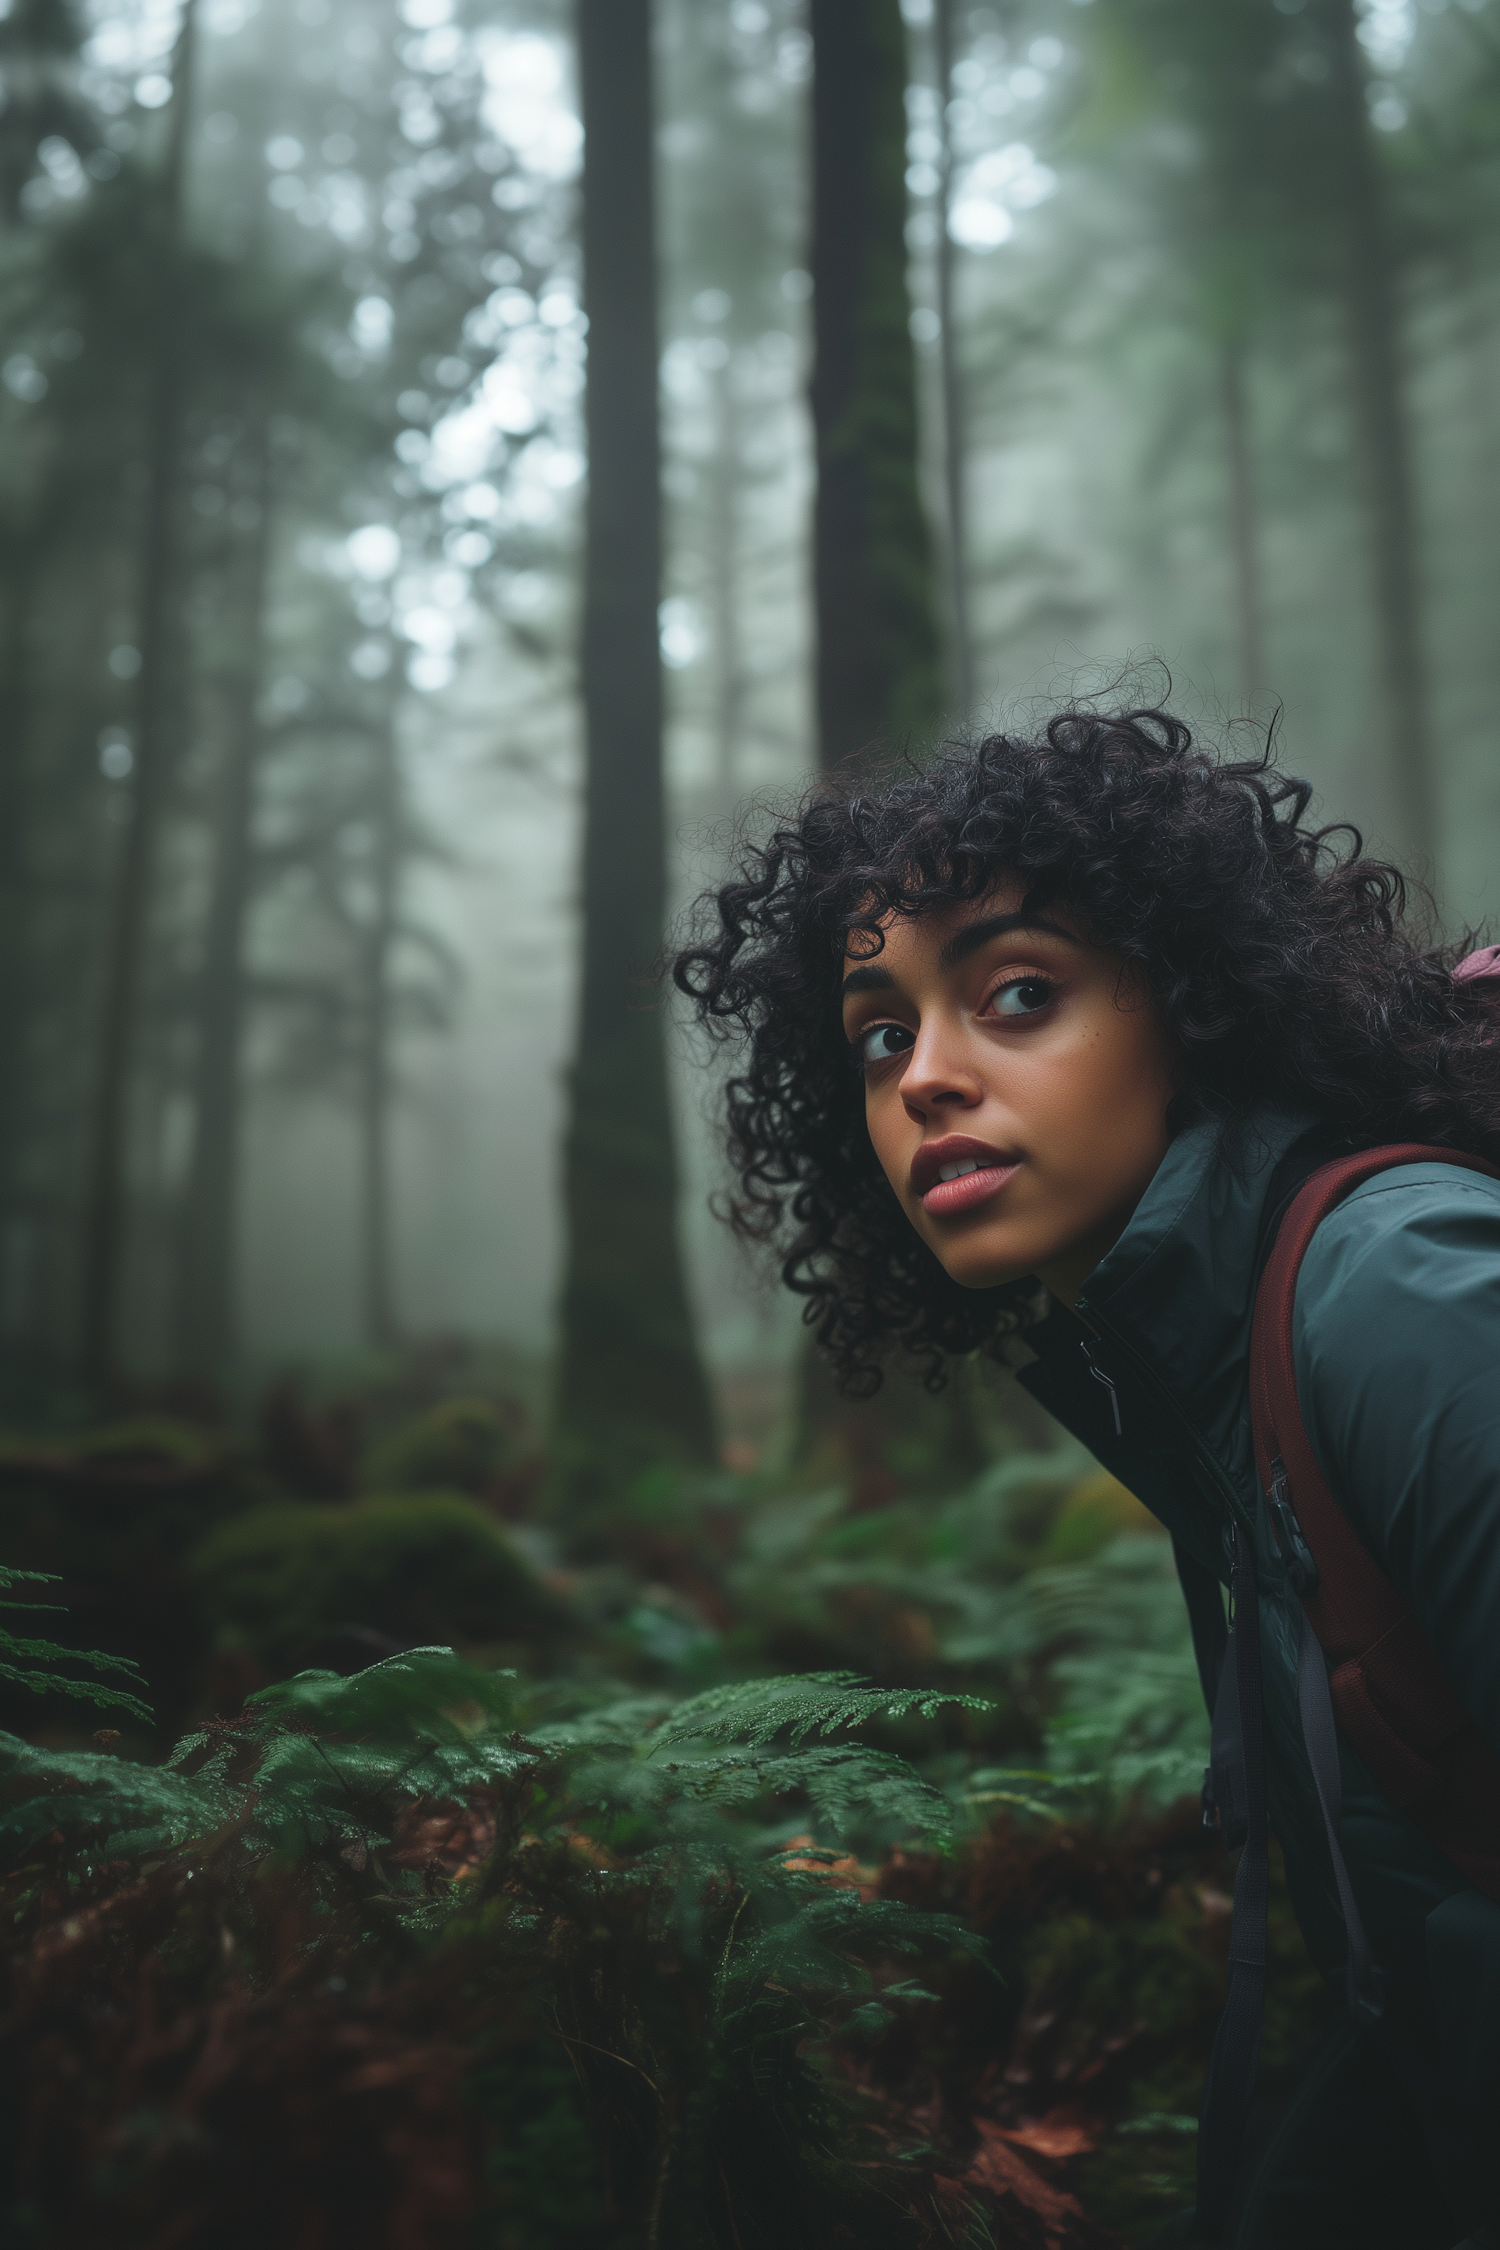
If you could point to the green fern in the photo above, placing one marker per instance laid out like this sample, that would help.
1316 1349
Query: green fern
630 1899
1132 1726
817 1947
21 1657
320 1764
756 1711
958 1562
1131 1730
845 1783
336 1759
682 1815
87 1798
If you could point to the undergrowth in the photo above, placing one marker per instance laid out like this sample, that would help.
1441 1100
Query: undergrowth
616 1956
591 1936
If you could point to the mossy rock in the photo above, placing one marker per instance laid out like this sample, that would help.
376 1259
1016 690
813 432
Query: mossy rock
422 1568
149 1450
460 1445
155 1437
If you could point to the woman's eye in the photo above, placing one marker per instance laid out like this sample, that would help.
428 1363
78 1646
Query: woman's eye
881 1041
1023 998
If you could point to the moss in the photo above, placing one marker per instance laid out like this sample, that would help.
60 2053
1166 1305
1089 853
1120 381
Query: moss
419 1568
149 1439
1143 2173
460 1445
1135 1980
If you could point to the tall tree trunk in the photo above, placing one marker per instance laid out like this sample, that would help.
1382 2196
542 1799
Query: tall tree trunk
375 1085
105 1222
20 590
208 1275
879 649
879 671
631 1389
955 427
1382 434
724 576
1244 542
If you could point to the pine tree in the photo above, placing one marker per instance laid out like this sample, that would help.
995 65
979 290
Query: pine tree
951 373
1368 273
104 1239
879 663
879 658
1289 213
631 1389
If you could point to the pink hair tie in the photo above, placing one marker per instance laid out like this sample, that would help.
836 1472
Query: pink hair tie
1482 967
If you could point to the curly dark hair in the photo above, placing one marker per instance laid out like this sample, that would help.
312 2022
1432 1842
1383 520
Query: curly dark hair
1281 959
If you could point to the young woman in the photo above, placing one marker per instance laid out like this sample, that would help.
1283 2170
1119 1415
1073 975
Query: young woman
1038 1044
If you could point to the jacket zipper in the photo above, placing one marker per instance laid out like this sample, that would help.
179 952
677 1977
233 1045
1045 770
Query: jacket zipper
1152 1382
1100 1377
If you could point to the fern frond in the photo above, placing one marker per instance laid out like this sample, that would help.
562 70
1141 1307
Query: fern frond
1133 1713
822 1947
621 1723
95 1692
756 1711
425 1694
20 1655
83 1795
338 1756
843 1784
10 1576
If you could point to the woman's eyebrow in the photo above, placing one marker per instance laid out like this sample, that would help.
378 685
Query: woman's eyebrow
975 934
873 979
968 940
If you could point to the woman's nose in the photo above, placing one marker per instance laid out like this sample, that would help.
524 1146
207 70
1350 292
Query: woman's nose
939 1075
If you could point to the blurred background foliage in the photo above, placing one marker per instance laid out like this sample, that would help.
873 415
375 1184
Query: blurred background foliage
456 461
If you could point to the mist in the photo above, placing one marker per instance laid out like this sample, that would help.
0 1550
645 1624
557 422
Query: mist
384 206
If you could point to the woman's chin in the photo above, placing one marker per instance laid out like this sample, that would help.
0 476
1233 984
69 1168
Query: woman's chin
974 1268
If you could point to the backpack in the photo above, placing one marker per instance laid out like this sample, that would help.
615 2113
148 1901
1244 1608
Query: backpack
1390 1698
1387 1693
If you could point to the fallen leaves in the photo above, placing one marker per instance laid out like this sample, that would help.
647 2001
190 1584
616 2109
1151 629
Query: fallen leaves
1016 2193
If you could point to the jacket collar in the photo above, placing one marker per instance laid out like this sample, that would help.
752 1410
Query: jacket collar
1180 1282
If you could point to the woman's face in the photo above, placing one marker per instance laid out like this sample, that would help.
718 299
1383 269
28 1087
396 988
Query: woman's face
1016 1087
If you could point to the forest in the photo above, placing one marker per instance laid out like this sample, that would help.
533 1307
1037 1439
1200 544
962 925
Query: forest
495 1751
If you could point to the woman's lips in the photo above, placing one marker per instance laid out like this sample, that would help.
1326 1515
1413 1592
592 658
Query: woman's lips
949 1196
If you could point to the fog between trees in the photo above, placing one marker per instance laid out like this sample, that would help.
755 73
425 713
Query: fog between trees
291 517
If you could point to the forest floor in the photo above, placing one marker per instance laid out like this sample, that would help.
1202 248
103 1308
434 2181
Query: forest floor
777 1862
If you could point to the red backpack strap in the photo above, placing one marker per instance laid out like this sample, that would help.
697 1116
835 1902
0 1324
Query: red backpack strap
1392 1702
